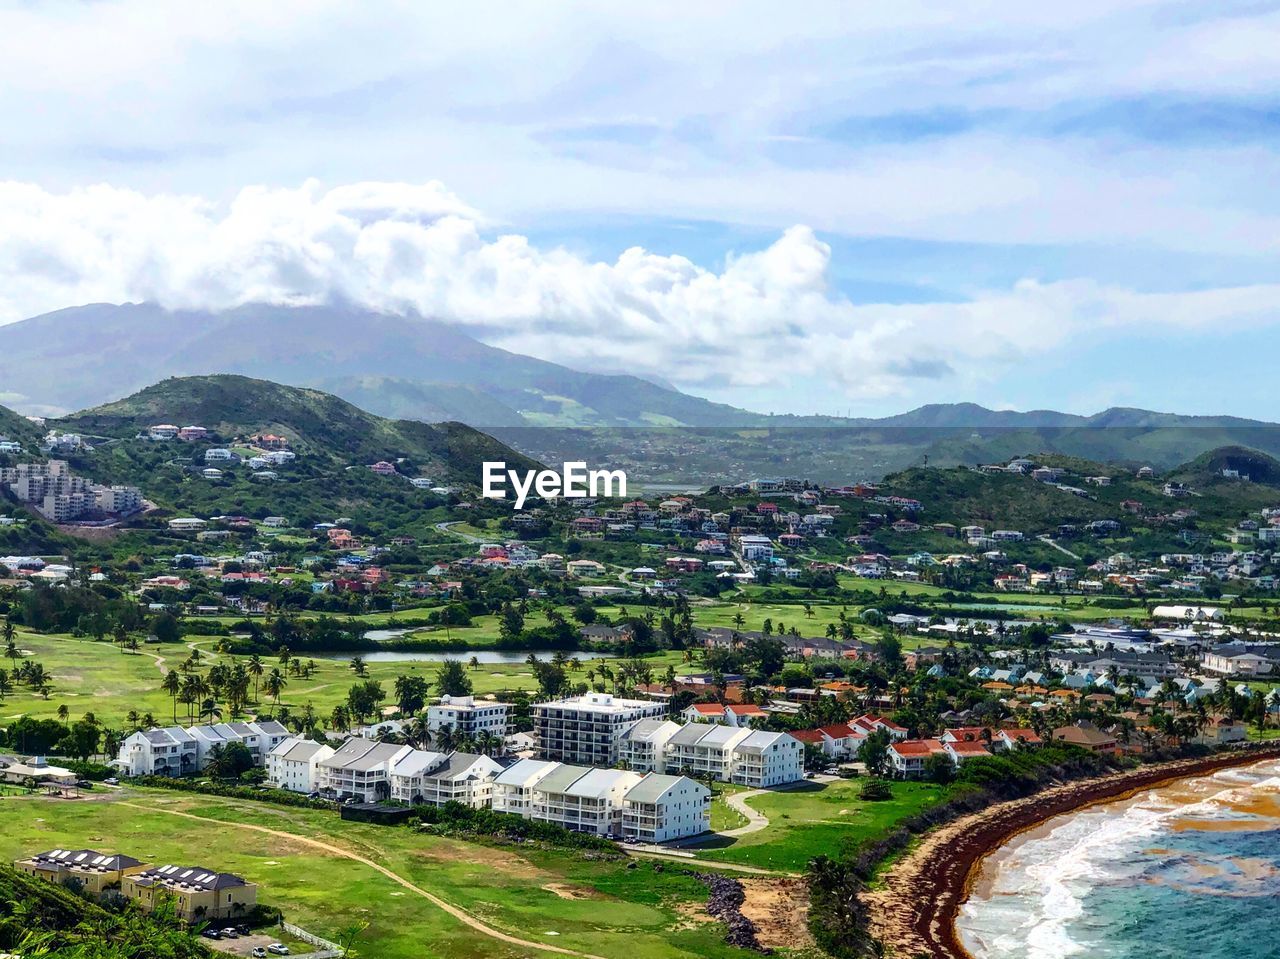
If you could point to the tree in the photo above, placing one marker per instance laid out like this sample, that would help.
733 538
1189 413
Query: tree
228 761
875 752
411 694
357 666
81 740
172 684
256 669
452 679
939 768
165 627
364 698
274 684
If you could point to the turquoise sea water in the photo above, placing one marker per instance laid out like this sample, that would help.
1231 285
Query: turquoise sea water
1188 871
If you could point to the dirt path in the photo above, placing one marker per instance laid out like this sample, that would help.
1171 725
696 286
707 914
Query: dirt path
461 915
780 910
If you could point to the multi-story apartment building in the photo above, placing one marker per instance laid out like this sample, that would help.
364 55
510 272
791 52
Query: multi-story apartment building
433 779
659 808
118 499
512 790
158 752
744 756
174 751
605 802
467 717
61 496
587 729
292 764
360 768
258 737
641 746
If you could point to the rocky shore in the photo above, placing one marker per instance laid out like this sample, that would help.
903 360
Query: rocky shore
913 911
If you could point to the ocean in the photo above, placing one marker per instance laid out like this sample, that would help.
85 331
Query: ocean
1187 871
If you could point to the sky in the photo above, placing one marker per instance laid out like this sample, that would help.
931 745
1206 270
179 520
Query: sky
810 208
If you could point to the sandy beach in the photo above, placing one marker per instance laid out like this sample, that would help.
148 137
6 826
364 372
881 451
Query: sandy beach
913 911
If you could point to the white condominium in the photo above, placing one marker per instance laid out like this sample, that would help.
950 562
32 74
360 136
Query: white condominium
744 756
641 746
259 738
587 729
360 768
158 752
605 802
467 717
172 751
371 771
292 764
433 779
659 808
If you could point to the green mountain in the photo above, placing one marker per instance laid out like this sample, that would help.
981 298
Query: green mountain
316 424
409 367
335 443
16 427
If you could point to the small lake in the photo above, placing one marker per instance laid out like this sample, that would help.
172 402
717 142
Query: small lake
485 656
989 607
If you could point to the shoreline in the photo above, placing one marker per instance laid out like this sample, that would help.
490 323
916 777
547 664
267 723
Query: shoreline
914 909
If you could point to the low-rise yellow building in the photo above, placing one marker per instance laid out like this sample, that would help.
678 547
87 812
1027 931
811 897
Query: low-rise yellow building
197 893
96 872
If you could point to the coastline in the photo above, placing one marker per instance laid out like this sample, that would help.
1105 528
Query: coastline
914 909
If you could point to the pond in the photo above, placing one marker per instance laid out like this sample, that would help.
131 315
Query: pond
486 656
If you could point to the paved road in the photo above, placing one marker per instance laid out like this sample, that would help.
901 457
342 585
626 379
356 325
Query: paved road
448 529
1048 540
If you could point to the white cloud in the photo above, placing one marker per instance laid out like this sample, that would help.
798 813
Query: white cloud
519 108
767 318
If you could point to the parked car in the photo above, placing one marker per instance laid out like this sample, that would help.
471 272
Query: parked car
278 949
258 953
230 933
84 783
211 934
111 781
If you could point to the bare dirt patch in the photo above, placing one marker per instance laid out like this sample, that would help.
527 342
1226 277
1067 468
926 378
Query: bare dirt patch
565 891
780 910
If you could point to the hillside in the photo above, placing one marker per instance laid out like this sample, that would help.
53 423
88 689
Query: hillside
317 424
407 367
334 441
412 368
18 428
1215 467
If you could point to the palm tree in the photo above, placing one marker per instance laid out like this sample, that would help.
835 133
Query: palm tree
275 684
340 719
255 670
63 713
357 665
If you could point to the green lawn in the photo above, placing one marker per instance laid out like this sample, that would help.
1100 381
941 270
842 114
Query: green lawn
602 908
818 818
98 677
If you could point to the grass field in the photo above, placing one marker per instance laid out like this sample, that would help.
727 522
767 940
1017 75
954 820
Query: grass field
98 677
600 908
817 819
